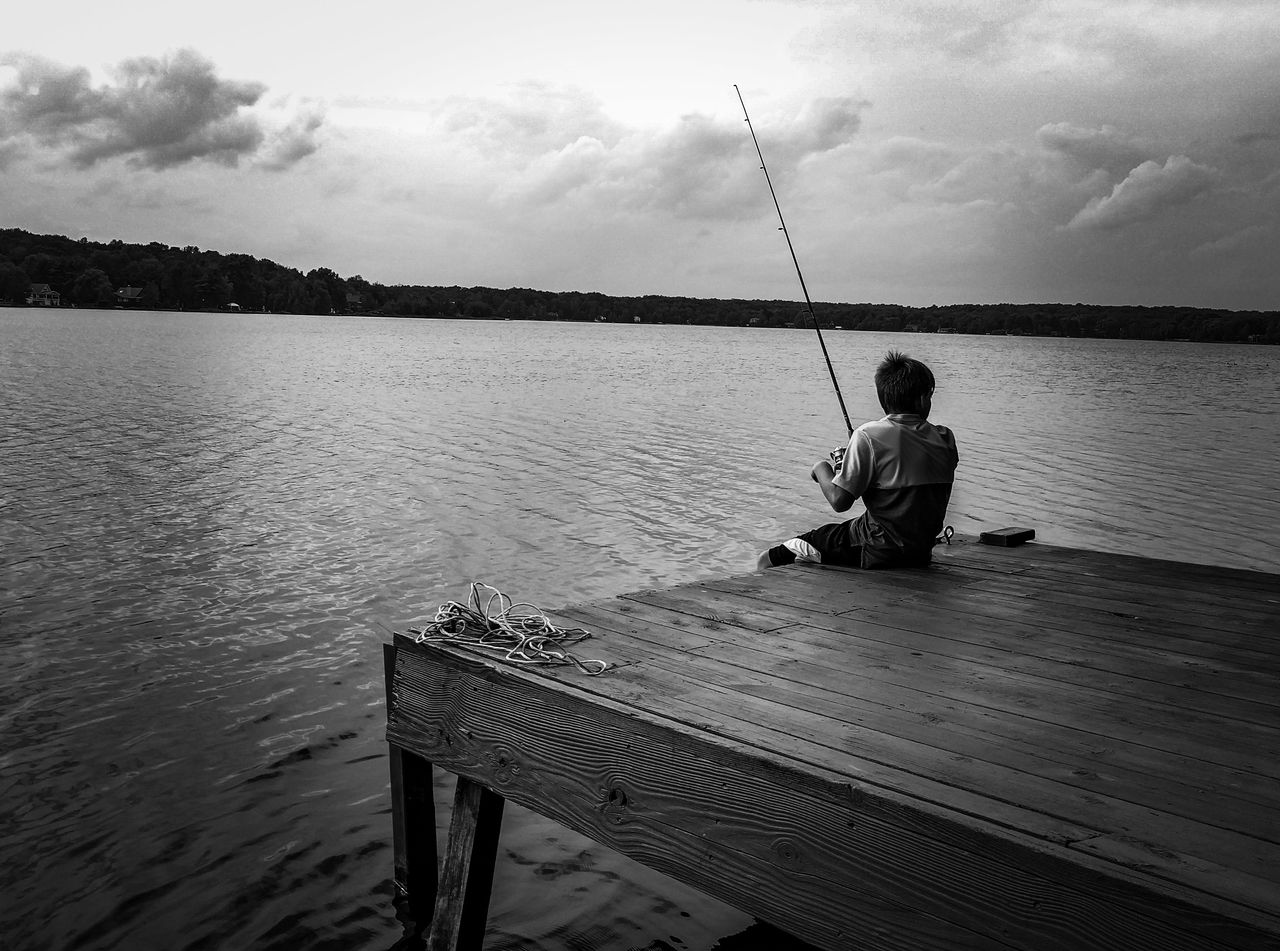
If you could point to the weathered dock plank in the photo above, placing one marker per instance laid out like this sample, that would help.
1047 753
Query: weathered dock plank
1121 649
1028 747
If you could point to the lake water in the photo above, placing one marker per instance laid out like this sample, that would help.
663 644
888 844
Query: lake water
210 524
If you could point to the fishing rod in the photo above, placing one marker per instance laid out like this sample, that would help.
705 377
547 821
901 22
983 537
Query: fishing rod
808 303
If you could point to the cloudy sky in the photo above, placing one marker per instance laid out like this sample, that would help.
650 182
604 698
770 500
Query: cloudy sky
1106 151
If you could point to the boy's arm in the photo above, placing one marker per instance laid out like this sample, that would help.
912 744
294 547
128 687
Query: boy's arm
840 499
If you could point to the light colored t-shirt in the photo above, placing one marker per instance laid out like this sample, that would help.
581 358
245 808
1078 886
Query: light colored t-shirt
902 467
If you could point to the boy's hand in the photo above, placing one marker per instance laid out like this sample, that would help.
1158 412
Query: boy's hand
839 498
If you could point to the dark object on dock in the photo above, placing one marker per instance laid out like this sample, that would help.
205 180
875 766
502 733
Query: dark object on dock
1007 537
1025 748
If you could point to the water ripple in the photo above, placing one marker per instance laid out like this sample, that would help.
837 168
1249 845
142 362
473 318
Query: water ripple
208 525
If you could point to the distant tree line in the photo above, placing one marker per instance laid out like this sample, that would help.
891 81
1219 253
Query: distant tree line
92 274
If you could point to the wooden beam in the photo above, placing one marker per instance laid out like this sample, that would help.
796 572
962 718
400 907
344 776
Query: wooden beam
462 906
413 820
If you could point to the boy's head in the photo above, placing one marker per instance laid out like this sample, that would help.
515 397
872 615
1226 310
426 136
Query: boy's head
904 385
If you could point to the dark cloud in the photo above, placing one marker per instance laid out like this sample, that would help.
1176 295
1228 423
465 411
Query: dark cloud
698 169
1104 147
158 113
706 169
829 123
1256 138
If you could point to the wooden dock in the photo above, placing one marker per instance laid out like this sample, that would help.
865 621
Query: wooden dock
1019 748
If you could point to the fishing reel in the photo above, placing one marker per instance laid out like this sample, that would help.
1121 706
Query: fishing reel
835 457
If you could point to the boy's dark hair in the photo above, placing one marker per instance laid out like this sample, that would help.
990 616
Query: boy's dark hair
902 382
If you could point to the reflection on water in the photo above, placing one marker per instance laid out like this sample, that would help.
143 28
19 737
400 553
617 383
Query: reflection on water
209 524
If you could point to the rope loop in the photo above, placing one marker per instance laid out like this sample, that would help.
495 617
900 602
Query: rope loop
519 631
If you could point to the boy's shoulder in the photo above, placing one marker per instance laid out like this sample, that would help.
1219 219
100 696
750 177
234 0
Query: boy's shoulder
896 422
902 432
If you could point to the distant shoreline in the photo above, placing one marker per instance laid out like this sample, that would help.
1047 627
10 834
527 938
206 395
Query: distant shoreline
1272 340
157 277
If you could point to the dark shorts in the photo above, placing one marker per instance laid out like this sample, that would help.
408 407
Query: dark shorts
835 544
830 544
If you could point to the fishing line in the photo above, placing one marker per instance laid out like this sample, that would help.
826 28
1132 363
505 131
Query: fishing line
786 234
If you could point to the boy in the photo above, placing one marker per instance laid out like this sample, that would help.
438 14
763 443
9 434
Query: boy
902 468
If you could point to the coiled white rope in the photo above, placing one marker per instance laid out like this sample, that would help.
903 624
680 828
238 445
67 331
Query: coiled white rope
519 631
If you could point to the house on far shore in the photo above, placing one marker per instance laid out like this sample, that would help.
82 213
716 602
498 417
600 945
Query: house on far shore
42 295
355 302
129 297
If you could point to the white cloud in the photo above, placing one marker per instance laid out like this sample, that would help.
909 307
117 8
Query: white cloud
556 175
533 119
1148 191
294 142
559 147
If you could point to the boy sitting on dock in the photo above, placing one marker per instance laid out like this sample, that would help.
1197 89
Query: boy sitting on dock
901 466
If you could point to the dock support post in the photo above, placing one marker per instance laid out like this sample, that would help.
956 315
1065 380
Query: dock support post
413 819
462 907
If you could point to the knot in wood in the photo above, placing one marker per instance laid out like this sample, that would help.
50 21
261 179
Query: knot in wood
616 803
504 765
785 852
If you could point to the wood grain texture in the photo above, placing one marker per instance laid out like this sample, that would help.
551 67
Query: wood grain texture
1018 748
466 878
413 822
